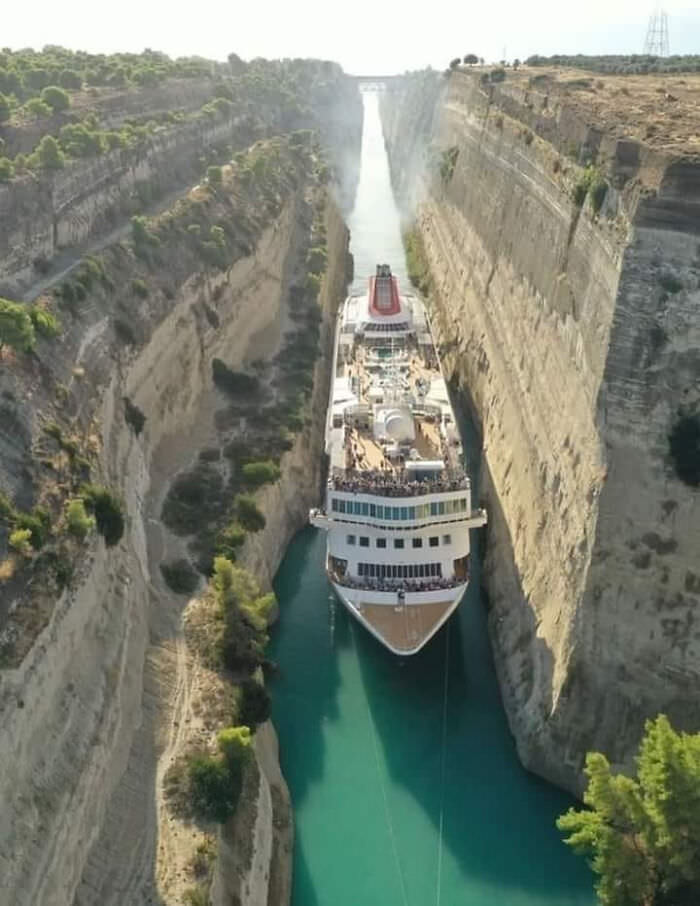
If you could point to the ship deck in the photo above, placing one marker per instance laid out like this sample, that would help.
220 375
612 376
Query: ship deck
363 452
405 627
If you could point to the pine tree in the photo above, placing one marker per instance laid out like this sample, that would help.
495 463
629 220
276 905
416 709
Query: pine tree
643 833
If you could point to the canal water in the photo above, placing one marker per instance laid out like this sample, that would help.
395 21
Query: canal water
405 783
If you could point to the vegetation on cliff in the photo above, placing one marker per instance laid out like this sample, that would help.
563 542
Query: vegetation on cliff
643 833
417 261
227 632
631 64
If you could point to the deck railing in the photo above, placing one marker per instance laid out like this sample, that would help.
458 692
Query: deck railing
396 585
396 484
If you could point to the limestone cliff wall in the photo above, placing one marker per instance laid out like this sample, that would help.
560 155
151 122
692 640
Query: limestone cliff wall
101 698
555 323
40 215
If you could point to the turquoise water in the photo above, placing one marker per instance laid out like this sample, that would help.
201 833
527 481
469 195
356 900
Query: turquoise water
405 783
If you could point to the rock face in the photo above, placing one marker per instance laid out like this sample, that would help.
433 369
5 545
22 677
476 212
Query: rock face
96 703
575 335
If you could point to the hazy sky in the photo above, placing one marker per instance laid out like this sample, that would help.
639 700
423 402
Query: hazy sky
365 36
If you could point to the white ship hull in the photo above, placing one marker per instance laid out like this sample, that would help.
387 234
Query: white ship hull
398 506
403 629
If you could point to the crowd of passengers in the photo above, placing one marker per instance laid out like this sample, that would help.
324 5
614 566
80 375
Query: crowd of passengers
390 485
369 584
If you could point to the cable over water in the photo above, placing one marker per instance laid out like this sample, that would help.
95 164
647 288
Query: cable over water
443 761
385 796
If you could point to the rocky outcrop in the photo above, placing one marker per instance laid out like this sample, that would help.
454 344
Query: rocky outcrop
573 330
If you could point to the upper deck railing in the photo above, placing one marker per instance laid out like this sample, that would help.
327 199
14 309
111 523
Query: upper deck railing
397 484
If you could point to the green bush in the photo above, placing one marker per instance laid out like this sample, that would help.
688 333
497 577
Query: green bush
20 541
180 576
45 323
56 98
670 283
194 500
259 473
69 78
229 540
79 523
214 791
598 191
139 288
7 169
580 192
134 416
16 328
255 706
248 514
215 176
78 140
48 154
38 108
37 522
5 109
233 381
684 444
316 260
108 511
216 781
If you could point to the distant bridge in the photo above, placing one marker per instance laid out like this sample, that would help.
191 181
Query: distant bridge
374 82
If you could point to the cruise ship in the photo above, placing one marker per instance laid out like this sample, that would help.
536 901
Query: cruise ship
398 500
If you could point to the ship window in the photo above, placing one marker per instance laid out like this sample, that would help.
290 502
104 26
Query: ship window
380 511
463 503
434 541
398 543
365 509
358 508
439 569
441 507
341 506
417 542
351 539
404 512
447 539
397 512
372 509
393 571
411 512
364 541
371 569
449 506
387 512
421 571
381 542
434 508
334 504
361 569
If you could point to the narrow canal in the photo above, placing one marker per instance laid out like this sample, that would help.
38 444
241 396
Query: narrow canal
406 787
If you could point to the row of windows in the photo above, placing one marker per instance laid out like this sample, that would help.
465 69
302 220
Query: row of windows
433 541
382 326
400 570
379 511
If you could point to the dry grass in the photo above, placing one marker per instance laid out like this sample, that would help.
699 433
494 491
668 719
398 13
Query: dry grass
660 110
8 568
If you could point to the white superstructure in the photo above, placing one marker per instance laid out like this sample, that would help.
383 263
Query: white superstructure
398 502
